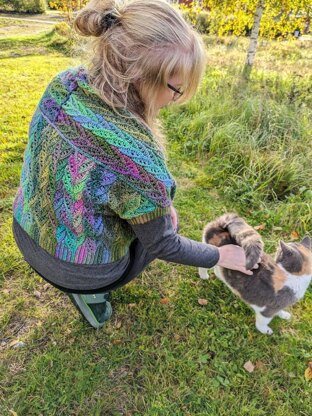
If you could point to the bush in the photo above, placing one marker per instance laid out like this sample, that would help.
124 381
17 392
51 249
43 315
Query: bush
198 19
63 29
202 22
23 6
66 40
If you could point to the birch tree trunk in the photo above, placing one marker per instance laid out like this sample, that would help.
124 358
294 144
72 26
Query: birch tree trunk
251 53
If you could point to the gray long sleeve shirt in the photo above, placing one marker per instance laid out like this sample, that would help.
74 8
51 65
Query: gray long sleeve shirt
157 239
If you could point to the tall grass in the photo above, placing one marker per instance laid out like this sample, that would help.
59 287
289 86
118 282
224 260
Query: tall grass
255 140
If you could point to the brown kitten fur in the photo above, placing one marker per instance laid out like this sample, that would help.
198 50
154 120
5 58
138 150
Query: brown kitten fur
275 285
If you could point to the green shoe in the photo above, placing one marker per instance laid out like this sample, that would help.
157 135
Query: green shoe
95 308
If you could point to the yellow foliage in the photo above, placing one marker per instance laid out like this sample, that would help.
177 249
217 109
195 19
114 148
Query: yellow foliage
68 7
280 19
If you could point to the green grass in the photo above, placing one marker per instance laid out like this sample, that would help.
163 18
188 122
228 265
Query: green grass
230 149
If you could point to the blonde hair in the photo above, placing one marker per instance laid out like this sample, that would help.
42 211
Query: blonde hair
139 45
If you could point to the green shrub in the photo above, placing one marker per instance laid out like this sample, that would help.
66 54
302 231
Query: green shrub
63 29
23 6
202 22
67 41
199 20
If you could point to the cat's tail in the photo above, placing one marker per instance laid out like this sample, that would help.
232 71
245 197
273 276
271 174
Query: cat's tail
232 229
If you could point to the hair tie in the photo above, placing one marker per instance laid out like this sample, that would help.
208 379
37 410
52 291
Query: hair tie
108 20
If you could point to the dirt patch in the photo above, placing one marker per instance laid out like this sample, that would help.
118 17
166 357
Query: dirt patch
10 28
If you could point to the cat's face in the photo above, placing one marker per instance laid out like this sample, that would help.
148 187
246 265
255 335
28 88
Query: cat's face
296 258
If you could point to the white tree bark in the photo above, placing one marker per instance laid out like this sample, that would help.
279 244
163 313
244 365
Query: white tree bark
251 53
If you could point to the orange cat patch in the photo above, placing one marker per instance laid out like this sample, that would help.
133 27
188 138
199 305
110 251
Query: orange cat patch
307 263
278 279
217 239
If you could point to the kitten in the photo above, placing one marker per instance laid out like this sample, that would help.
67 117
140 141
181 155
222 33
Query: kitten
276 284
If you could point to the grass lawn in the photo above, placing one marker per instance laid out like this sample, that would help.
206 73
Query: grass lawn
234 147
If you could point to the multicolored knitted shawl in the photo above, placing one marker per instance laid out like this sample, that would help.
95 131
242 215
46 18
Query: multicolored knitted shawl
88 173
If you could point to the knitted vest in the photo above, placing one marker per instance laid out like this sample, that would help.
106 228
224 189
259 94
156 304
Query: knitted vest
88 174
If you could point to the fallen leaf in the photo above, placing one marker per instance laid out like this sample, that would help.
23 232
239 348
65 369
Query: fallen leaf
259 365
116 341
203 302
260 227
19 344
248 366
118 324
12 343
177 337
294 235
37 294
308 372
132 305
6 291
164 301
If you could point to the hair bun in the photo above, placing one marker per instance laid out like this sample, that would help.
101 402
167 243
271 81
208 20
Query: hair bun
108 20
95 18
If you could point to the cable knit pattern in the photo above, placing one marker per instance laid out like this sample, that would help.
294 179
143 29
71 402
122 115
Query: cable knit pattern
88 172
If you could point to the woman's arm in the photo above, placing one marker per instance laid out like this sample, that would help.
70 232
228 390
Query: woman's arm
160 239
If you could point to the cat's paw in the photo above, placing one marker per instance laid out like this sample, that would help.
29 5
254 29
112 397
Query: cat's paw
266 330
203 273
284 315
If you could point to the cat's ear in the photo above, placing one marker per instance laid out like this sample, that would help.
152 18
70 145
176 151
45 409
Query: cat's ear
284 247
306 242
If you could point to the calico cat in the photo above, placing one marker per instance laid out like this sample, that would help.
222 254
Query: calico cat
276 284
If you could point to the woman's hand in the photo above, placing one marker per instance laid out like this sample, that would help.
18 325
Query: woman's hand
174 218
233 257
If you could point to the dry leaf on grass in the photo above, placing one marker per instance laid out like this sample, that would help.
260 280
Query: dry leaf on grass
116 341
203 302
164 301
37 294
260 227
18 344
248 366
260 365
132 305
118 325
12 343
294 235
308 372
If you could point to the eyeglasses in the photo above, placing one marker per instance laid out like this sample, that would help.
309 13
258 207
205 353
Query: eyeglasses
177 94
